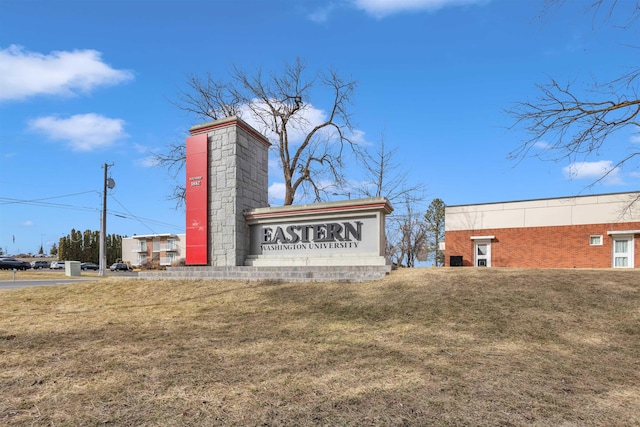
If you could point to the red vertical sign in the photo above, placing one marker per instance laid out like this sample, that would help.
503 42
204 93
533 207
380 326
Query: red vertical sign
196 199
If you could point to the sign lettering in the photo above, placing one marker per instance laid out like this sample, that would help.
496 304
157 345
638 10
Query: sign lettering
332 232
195 181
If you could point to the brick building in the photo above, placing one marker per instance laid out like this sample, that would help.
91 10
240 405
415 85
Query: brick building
598 231
154 249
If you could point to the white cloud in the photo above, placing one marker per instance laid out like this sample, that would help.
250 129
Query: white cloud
148 162
275 167
277 191
27 223
321 14
542 145
307 118
382 8
26 74
635 139
142 149
358 138
82 132
594 171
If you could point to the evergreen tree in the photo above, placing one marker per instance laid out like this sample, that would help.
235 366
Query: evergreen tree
76 245
62 248
85 247
114 248
434 218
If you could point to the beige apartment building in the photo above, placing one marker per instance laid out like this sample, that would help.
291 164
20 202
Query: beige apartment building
158 250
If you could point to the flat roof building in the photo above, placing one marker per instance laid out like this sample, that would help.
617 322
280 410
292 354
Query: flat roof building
154 250
596 231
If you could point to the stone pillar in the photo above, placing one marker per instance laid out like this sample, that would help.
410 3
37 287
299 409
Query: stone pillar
237 180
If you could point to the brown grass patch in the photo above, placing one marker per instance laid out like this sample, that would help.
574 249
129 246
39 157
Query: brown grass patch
43 274
421 347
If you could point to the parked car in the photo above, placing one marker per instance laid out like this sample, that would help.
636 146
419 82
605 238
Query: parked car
89 266
39 264
119 266
57 265
9 263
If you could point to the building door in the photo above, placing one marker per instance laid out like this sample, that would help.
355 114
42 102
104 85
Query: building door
482 253
623 252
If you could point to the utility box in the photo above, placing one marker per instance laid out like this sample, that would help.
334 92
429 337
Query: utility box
72 268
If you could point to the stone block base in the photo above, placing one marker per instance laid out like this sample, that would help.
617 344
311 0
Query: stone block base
345 260
354 273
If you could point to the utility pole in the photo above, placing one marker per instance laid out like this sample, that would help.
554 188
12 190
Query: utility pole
103 222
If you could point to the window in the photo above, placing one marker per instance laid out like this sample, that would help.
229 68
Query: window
595 240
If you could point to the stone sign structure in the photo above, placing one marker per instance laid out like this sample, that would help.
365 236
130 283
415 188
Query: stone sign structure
227 173
231 232
329 234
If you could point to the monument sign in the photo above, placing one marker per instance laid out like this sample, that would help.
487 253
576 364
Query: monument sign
230 224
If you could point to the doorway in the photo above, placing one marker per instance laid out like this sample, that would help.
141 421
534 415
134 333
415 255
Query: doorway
623 252
482 253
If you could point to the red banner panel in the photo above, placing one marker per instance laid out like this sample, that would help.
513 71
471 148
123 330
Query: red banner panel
196 199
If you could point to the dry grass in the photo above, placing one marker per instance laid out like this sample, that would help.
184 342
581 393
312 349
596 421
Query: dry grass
439 347
44 274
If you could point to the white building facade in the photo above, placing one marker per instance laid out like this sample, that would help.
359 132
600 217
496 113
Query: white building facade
154 250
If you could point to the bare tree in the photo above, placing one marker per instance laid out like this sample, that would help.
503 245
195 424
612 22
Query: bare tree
576 123
278 103
174 161
406 237
383 177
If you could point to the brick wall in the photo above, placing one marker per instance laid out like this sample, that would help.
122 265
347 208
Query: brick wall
536 247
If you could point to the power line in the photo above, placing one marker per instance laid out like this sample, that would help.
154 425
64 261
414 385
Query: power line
8 201
126 215
141 219
135 217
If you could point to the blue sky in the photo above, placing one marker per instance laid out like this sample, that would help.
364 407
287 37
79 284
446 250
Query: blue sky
84 83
